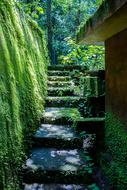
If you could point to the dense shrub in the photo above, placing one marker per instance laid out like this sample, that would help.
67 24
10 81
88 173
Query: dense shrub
91 56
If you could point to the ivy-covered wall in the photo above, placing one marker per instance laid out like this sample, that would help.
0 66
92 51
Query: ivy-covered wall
23 60
114 158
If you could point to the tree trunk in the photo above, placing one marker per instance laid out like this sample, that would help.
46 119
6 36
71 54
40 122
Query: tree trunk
49 31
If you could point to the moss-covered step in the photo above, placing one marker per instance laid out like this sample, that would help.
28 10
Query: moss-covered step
57 136
95 126
91 125
55 187
65 67
52 91
60 84
50 165
65 101
53 115
59 78
58 73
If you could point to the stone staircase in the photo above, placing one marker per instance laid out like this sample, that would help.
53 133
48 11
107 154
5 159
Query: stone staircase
58 159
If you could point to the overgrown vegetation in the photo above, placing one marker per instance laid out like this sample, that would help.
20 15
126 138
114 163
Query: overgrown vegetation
114 159
91 56
61 19
23 59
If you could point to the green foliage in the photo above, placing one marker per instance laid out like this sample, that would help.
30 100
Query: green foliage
114 159
93 187
66 16
91 56
33 8
71 114
22 88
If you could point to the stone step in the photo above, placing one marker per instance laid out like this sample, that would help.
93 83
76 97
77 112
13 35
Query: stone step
59 78
66 101
93 125
60 84
62 116
50 165
61 91
58 73
97 105
55 187
57 136
57 121
65 67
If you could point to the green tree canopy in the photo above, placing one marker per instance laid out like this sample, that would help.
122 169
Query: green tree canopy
66 17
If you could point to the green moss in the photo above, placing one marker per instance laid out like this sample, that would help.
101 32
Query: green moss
114 159
71 113
23 60
90 86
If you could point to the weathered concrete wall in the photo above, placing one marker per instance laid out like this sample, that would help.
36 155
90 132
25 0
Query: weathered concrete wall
114 159
110 19
116 74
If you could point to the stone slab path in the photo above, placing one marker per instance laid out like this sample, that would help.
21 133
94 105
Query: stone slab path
57 160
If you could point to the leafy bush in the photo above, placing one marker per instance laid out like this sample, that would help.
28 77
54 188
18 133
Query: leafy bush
91 56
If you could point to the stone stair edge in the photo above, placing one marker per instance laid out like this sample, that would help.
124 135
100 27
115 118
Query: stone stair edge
65 165
64 66
55 186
